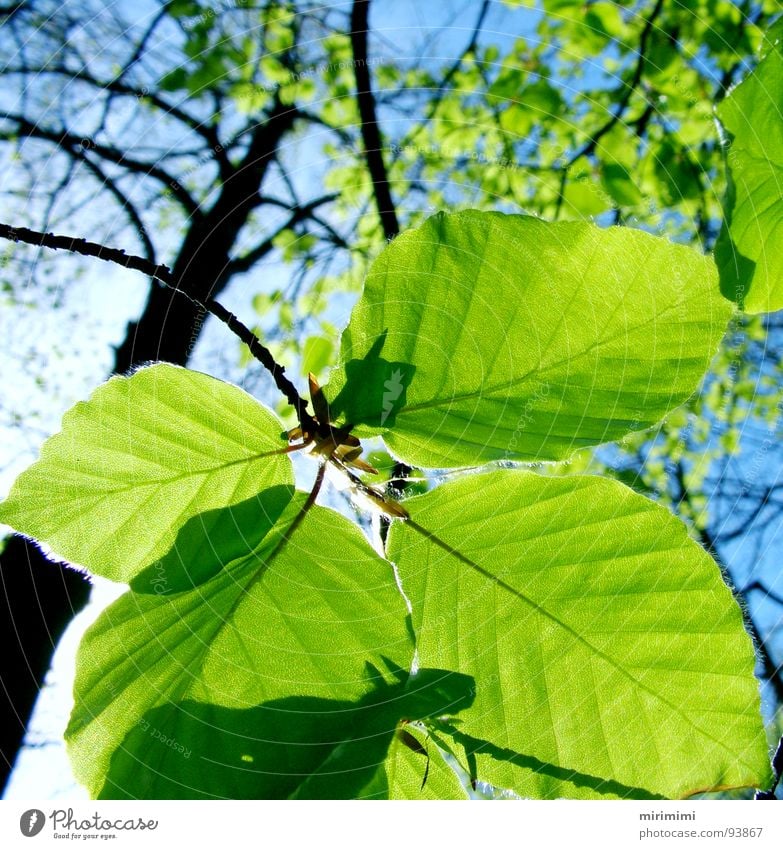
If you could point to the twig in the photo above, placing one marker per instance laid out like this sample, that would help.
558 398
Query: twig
70 143
758 586
163 274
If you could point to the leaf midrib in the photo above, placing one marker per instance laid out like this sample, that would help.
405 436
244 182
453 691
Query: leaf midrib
541 610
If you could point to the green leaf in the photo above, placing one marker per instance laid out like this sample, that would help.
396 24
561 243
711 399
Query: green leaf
295 634
416 768
541 98
370 738
483 336
583 198
141 457
175 80
609 657
749 251
618 182
316 354
508 83
183 8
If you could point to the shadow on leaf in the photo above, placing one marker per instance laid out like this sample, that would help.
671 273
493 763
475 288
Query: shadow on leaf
374 389
735 270
474 746
210 541
295 747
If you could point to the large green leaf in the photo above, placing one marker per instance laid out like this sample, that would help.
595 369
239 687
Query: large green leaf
610 659
416 768
282 670
140 458
749 251
483 336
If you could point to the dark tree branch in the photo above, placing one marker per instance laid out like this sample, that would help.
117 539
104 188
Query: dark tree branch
127 207
138 51
759 586
117 86
244 263
41 597
371 135
74 145
631 87
469 48
37 601
7 10
164 275
760 504
373 149
591 145
449 75
772 671
168 325
777 771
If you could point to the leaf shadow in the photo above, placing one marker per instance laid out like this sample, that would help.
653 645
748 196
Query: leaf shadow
735 271
298 746
474 746
375 389
210 541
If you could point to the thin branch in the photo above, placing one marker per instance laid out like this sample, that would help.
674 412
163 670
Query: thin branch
373 147
631 87
762 588
449 75
127 207
7 10
772 671
117 86
163 274
470 47
777 771
244 263
72 144
371 135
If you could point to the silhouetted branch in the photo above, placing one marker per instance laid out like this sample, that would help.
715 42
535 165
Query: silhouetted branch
119 87
74 144
163 274
127 207
759 586
371 135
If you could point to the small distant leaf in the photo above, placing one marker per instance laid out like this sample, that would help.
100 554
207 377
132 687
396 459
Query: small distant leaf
141 457
618 182
316 354
509 83
584 198
183 8
175 80
609 657
749 251
483 336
